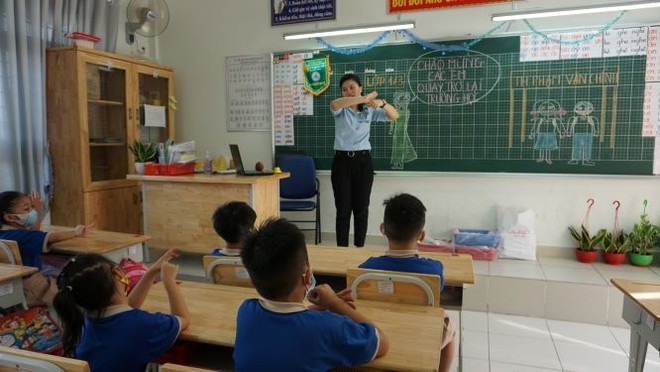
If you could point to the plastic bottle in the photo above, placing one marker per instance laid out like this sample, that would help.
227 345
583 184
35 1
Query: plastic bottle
208 164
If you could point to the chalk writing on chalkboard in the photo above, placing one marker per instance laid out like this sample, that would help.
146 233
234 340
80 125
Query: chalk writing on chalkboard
453 80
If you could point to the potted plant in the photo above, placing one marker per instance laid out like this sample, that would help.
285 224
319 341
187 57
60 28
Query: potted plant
642 237
615 245
143 153
586 249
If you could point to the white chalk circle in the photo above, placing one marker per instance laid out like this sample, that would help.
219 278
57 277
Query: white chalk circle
453 79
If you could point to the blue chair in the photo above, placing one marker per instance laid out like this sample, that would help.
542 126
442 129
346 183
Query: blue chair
300 192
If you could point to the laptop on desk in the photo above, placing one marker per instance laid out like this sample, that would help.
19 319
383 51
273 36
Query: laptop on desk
236 155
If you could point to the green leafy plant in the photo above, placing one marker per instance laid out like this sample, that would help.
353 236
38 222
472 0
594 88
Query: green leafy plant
615 242
584 240
643 235
143 152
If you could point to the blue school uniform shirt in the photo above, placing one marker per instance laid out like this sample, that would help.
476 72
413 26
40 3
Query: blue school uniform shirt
278 336
406 261
352 128
126 339
31 244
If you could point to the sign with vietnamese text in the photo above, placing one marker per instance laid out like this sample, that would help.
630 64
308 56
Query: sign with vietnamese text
284 12
397 6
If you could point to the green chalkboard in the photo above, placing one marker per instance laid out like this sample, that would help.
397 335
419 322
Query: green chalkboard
485 111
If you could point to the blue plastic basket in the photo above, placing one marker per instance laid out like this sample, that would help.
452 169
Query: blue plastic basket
476 237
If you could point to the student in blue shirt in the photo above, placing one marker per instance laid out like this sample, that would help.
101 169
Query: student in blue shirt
20 220
104 326
403 225
232 221
352 170
278 332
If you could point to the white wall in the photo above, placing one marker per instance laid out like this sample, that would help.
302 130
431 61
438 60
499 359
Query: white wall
202 33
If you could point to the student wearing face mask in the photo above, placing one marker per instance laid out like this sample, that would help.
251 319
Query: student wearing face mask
352 170
279 332
20 220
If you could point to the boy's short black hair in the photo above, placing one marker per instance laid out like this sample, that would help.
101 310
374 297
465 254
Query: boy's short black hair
405 216
233 220
275 255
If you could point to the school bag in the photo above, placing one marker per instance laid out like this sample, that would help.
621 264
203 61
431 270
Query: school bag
32 329
134 271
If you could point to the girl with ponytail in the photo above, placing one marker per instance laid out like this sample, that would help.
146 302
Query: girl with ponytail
104 326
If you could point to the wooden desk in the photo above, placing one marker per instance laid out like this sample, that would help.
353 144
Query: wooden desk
459 269
11 284
178 209
641 309
113 245
415 332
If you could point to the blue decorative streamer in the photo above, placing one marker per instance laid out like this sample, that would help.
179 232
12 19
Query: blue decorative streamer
589 37
353 51
444 48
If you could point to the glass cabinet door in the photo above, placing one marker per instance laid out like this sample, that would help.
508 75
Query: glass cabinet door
156 121
106 121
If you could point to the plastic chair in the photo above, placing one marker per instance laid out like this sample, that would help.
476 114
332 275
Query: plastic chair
22 360
390 286
9 252
297 190
226 270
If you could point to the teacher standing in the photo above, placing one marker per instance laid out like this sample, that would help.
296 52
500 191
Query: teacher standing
352 169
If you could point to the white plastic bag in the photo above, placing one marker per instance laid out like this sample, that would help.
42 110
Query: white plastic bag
518 239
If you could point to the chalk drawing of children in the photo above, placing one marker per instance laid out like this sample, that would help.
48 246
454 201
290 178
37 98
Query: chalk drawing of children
402 148
583 127
547 124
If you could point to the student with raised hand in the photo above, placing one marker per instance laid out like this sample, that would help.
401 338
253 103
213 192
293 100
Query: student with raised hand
232 221
352 173
403 225
20 220
279 332
104 326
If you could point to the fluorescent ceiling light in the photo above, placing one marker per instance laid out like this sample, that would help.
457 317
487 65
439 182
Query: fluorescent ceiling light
350 31
573 11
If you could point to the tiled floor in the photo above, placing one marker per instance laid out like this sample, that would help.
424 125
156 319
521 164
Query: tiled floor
507 343
564 270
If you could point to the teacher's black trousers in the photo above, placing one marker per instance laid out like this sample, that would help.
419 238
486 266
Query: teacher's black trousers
352 178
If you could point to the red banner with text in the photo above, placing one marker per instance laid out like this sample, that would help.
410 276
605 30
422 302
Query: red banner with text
396 6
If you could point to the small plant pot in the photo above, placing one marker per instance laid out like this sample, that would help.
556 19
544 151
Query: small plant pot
139 168
614 258
586 256
641 259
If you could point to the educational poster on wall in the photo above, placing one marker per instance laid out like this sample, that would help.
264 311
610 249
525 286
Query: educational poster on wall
572 48
584 44
248 93
284 12
651 121
625 42
536 48
398 6
289 95
651 126
653 55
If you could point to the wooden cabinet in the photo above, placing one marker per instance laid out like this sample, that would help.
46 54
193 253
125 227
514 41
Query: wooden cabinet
95 108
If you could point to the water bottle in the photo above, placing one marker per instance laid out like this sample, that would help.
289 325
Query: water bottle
208 164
